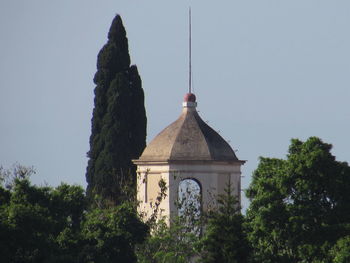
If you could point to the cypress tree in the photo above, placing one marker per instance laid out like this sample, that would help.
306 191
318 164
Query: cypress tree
118 125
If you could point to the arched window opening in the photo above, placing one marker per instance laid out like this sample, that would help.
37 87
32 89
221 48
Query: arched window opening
189 203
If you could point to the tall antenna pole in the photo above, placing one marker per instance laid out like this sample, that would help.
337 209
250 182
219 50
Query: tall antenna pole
190 55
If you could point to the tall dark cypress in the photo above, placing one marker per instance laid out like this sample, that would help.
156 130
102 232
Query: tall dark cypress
118 125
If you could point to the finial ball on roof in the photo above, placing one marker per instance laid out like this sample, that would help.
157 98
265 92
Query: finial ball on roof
190 97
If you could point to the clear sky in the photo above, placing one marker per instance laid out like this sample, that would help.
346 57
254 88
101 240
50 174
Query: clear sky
264 72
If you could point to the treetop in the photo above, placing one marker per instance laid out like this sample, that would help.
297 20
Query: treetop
117 29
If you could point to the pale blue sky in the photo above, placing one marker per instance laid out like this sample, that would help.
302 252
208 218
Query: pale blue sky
264 72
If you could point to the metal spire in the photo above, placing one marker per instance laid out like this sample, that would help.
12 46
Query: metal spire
190 55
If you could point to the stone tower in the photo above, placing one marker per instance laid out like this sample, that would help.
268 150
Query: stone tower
186 150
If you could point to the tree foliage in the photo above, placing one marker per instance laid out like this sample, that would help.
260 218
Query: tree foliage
34 219
224 237
111 234
118 125
171 244
340 253
300 206
46 224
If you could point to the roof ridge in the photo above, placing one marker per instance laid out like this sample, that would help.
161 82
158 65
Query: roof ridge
184 114
190 135
199 119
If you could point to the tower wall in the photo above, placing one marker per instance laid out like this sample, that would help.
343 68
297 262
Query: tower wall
213 177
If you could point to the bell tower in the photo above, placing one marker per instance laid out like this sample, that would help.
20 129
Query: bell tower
187 151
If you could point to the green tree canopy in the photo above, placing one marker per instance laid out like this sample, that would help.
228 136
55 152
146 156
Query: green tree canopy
35 218
341 251
224 238
300 206
118 125
110 234
43 224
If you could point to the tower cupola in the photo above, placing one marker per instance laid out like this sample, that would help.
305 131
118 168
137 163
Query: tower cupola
187 149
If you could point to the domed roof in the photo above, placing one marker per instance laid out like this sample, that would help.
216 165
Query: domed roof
188 138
